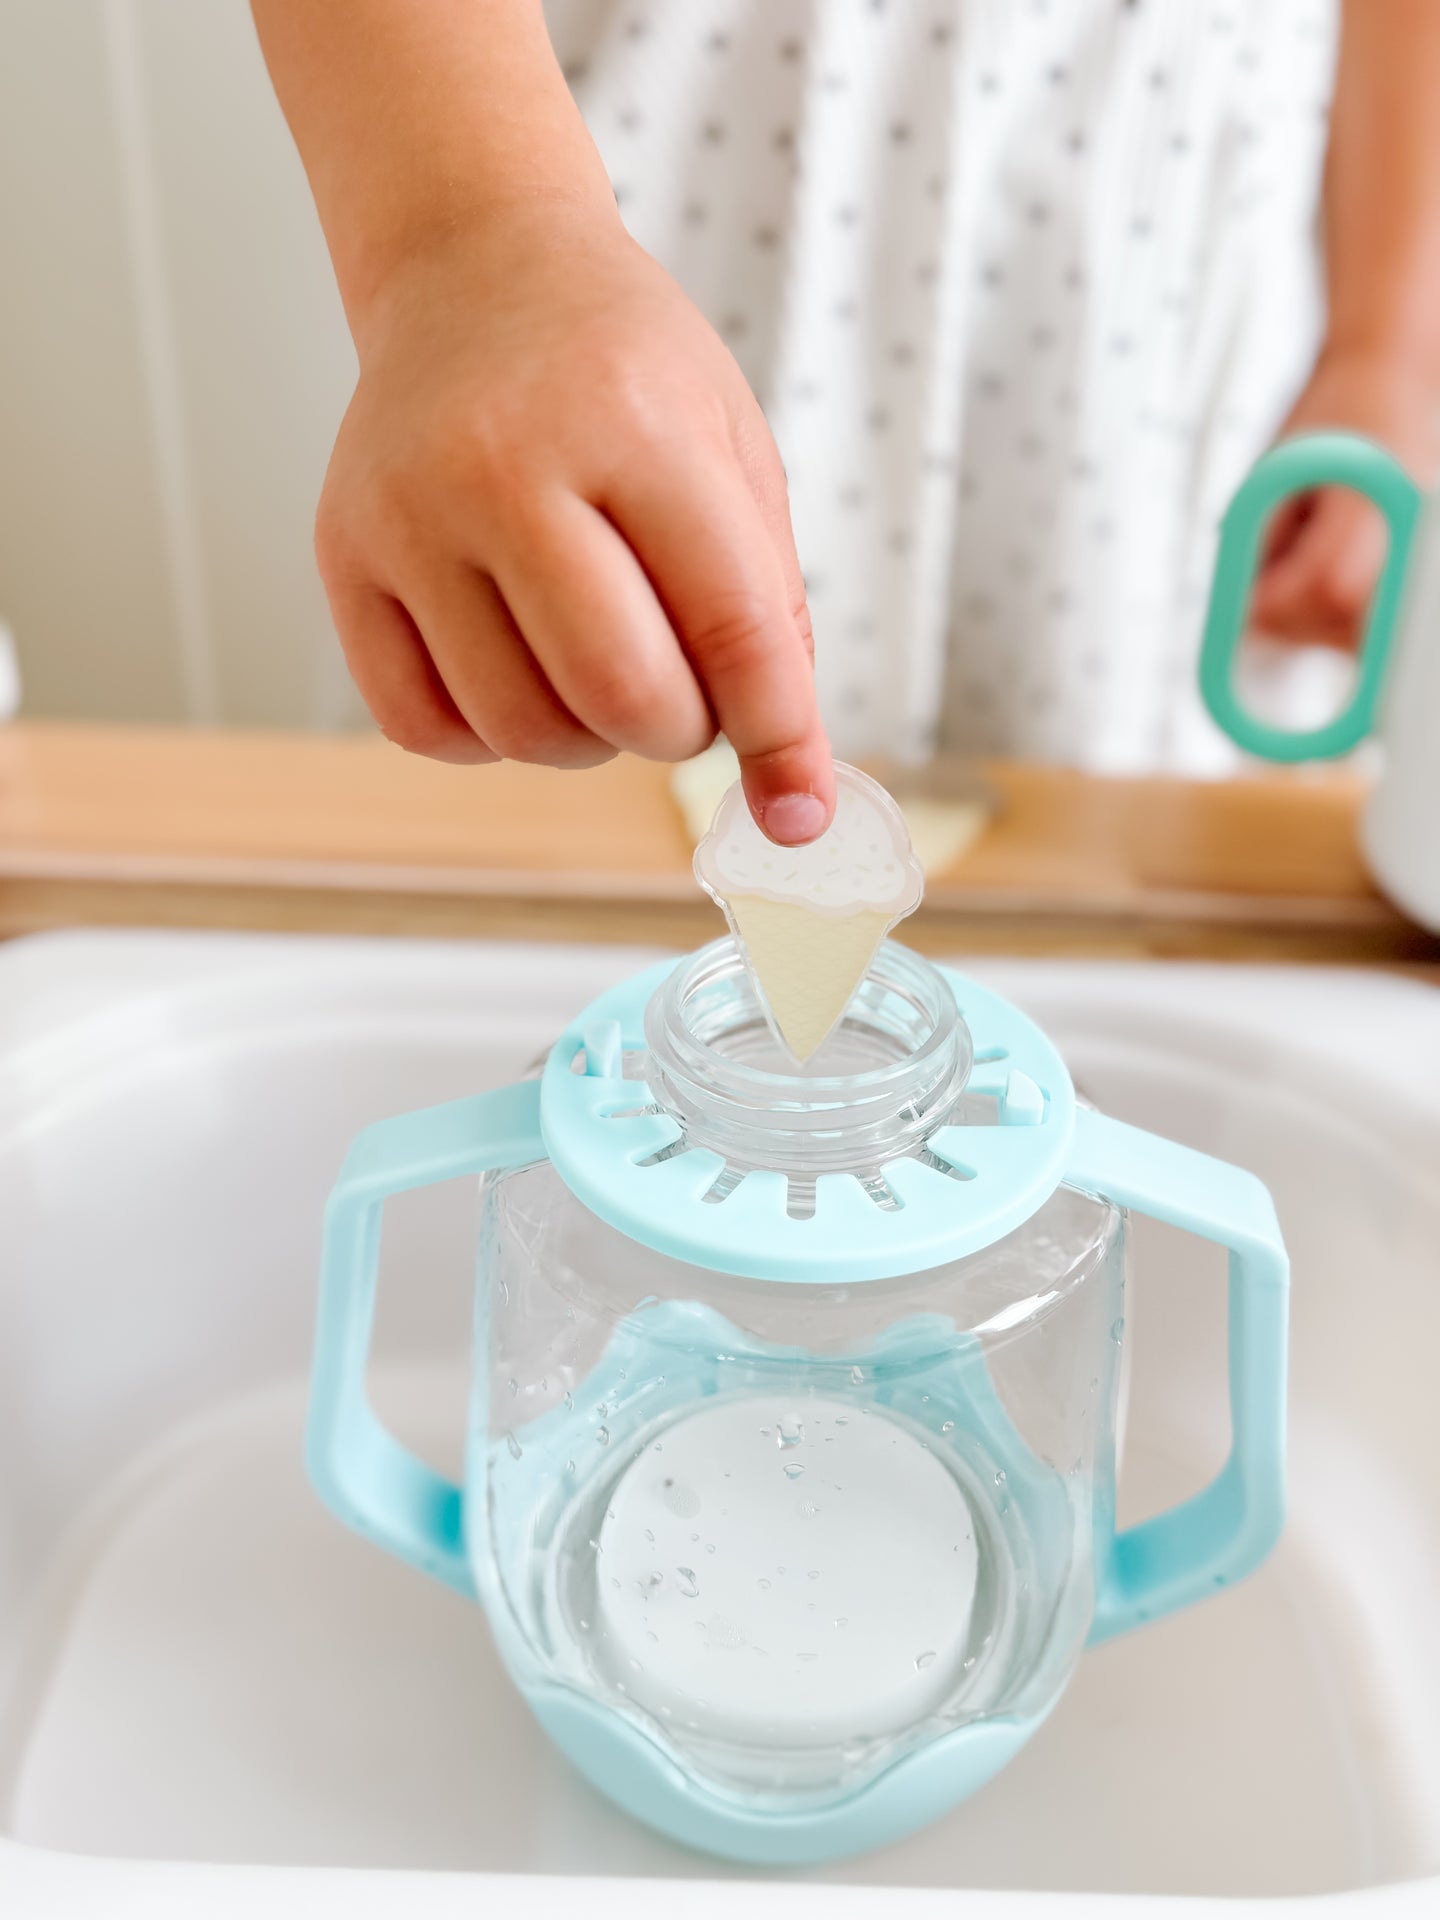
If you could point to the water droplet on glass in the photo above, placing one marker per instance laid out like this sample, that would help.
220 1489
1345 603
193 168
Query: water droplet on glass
808 1509
999 1476
813 1574
570 1466
652 1636
504 1291
857 1377
601 1411
711 1547
687 1583
924 1399
807 1656
584 1626
763 1584
602 1435
569 1403
650 1536
967 1663
947 1426
514 1445
1117 1330
513 1385
843 1620
793 1471
789 1430
923 1660
682 1501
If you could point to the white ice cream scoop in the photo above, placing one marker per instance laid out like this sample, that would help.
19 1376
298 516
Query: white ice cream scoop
808 919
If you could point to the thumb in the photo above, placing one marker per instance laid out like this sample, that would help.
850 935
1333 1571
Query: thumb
1318 587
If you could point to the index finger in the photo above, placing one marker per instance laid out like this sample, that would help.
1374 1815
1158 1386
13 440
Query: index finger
704 544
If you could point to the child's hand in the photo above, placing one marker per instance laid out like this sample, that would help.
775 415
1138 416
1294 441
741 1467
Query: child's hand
555 522
1326 550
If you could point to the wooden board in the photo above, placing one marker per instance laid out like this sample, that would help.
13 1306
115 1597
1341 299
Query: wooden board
154 826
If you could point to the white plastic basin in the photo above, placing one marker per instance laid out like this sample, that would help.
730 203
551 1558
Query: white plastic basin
214 1700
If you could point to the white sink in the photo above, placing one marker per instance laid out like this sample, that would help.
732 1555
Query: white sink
215 1701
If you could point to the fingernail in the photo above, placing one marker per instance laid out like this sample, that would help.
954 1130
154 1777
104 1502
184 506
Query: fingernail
793 818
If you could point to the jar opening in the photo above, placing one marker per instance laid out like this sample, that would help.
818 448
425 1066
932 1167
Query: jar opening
876 1088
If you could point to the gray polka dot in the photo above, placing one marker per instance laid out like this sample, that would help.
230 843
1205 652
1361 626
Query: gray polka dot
899 541
791 49
877 419
718 43
846 309
847 216
629 118
900 133
695 213
712 132
851 497
575 71
733 326
766 238
783 139
902 354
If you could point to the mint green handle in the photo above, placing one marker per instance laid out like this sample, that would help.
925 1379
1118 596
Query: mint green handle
1300 465
1222 1533
360 1470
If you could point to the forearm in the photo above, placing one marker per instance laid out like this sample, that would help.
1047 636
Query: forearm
418 117
1382 188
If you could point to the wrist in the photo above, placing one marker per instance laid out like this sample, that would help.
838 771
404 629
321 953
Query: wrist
481 239
1400 335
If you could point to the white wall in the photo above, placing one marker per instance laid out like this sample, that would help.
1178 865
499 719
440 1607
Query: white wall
173 362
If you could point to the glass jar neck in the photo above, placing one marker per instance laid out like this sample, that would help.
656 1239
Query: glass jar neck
876 1088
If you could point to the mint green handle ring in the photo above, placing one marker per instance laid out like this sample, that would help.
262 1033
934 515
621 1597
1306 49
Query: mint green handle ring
1300 465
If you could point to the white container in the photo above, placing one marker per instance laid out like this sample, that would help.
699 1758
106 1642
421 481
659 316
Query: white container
213 1700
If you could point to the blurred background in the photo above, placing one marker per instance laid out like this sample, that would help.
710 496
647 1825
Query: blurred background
168 319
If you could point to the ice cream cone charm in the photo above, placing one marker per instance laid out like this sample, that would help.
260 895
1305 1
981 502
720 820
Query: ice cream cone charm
809 919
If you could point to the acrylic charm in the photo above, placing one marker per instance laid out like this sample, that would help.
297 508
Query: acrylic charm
809 919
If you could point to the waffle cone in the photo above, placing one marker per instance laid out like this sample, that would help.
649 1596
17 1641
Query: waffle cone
808 964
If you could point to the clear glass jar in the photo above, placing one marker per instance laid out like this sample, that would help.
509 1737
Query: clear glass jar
793 1530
